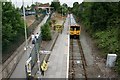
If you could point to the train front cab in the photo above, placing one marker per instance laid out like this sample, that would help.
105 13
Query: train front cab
75 32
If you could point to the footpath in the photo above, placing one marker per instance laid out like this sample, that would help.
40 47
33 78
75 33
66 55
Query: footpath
19 71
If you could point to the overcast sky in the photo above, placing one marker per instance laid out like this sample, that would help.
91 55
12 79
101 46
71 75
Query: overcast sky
18 3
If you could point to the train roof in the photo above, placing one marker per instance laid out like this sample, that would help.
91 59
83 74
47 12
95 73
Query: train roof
58 24
76 25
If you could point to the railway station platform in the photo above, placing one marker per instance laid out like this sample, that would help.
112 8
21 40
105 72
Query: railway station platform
58 65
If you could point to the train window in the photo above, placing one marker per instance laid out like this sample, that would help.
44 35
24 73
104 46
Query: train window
77 28
71 29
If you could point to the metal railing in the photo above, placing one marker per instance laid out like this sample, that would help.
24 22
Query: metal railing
35 50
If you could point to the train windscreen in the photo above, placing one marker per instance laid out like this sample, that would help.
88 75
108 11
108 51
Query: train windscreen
75 28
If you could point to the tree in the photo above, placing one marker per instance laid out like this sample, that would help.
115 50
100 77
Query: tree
56 5
99 17
75 4
12 25
63 9
65 5
69 9
75 8
32 7
28 6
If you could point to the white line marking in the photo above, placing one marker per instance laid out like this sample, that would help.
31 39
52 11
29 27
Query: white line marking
67 59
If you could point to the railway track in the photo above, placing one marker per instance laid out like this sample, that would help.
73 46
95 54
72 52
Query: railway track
77 62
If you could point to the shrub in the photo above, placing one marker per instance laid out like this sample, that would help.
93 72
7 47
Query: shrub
46 33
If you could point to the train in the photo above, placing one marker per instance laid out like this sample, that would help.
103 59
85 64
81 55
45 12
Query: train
27 13
75 29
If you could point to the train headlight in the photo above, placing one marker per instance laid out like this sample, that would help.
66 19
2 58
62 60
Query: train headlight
29 74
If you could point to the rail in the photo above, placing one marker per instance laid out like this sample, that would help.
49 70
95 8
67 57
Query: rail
83 59
73 70
77 51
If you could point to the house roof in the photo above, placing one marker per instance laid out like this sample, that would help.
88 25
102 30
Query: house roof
44 5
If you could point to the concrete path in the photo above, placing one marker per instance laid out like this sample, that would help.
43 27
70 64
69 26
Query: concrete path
59 58
19 71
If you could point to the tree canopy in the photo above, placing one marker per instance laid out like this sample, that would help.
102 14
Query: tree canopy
12 25
63 10
56 5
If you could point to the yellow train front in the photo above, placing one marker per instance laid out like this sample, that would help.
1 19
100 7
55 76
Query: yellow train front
75 31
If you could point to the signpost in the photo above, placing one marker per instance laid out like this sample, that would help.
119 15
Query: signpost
44 65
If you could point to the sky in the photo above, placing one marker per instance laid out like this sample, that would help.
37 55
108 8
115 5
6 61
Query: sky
18 3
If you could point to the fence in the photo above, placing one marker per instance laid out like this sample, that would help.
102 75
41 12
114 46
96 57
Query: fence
35 51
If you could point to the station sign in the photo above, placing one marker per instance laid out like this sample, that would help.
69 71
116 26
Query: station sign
45 52
44 66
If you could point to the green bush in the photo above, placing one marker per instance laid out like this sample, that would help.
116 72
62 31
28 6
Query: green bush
107 41
46 33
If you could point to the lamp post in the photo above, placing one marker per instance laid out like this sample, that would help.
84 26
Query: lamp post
25 26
